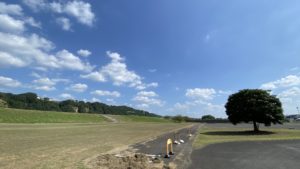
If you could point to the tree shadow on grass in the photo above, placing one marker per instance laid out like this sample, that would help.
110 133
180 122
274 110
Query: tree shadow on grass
237 133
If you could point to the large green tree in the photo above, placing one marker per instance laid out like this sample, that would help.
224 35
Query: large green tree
254 105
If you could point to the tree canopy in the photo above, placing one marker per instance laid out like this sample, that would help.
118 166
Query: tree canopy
208 117
33 102
254 105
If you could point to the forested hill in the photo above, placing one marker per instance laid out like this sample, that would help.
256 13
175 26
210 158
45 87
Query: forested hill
33 102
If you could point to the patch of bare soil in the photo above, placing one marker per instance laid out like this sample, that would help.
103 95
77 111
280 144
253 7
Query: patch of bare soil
135 161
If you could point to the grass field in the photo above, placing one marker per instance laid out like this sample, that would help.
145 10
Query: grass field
131 118
34 116
35 139
210 135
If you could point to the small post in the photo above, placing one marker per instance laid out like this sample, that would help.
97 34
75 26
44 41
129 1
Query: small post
169 152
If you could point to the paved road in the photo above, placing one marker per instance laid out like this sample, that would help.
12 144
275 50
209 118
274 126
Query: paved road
158 146
248 155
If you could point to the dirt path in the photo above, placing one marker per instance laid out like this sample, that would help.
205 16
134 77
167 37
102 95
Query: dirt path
113 120
157 147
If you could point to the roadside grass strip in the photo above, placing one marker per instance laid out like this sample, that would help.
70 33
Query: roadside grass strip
210 135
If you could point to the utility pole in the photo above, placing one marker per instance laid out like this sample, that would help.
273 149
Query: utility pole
298 109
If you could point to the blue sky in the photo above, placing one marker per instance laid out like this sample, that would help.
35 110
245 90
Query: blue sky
168 57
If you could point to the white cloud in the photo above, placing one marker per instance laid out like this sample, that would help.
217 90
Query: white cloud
7 59
291 92
146 99
44 88
79 87
84 53
32 22
66 96
288 81
72 62
80 10
64 23
95 100
147 94
34 50
11 9
9 82
44 81
9 24
201 93
118 73
96 76
36 75
198 108
47 84
152 70
268 86
106 93
36 5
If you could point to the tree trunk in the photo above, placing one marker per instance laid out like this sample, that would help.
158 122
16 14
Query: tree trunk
256 127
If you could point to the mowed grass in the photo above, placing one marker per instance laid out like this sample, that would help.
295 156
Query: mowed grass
133 118
39 139
67 145
8 115
212 135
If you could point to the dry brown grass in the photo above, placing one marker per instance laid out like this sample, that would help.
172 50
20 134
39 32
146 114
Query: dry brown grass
68 145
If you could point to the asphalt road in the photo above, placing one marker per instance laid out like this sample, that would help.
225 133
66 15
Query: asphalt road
248 155
157 146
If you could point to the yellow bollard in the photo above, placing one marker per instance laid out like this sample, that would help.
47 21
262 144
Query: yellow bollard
169 152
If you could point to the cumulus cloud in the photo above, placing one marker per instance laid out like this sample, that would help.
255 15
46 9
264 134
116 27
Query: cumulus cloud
145 99
66 96
95 76
80 10
6 59
291 92
117 72
201 93
79 87
84 53
35 50
70 61
47 84
11 25
288 81
95 100
197 108
8 82
64 23
12 19
11 9
36 5
32 22
106 93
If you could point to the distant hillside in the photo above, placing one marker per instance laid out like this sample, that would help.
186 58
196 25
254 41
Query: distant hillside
32 102
8 115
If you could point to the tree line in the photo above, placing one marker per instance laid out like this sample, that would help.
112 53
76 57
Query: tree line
33 102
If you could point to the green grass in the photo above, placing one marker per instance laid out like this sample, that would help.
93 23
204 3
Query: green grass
210 135
34 116
132 118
